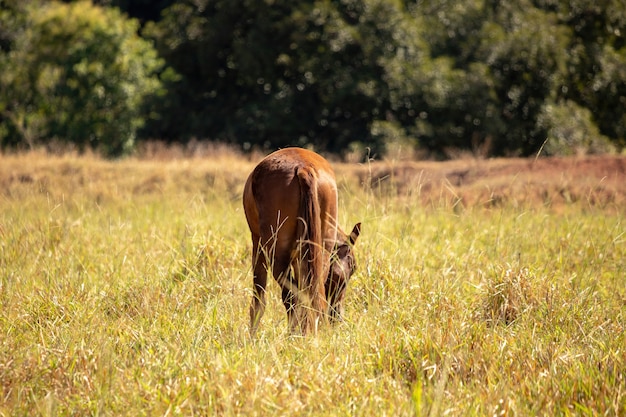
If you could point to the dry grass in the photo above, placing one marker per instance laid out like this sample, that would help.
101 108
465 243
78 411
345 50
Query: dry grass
521 183
125 288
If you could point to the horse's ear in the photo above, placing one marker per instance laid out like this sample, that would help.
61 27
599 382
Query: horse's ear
356 231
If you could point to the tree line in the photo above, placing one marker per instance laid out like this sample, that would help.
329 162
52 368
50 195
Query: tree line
505 78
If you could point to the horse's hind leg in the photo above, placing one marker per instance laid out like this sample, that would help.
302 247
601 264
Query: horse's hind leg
281 270
289 300
257 308
296 299
278 256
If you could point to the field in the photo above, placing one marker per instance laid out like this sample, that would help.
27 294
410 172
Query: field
484 287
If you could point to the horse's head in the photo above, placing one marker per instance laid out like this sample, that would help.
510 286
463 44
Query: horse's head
342 266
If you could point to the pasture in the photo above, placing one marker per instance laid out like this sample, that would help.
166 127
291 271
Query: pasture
482 288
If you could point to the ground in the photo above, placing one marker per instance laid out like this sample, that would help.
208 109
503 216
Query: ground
125 287
598 181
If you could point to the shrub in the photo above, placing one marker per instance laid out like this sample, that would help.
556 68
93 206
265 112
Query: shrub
78 73
571 130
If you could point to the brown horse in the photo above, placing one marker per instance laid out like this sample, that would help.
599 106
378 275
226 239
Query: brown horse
290 200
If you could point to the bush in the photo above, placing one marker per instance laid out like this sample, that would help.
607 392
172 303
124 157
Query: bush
570 130
78 74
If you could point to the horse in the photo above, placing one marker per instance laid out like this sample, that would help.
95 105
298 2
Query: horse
290 203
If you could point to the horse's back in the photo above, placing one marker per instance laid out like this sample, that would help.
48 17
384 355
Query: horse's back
273 191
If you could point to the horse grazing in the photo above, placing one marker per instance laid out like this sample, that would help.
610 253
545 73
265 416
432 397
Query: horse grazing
290 201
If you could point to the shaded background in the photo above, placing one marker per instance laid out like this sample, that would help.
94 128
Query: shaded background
435 77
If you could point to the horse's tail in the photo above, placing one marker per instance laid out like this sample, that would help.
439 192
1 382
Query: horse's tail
311 245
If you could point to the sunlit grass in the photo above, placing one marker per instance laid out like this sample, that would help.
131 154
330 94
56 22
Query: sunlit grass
125 289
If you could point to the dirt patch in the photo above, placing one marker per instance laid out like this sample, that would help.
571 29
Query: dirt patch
598 181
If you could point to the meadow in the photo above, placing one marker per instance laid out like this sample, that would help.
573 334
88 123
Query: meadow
125 287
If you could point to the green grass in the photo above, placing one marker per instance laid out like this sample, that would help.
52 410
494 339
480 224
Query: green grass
125 288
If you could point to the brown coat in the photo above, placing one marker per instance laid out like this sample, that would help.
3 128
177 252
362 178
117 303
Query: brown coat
290 201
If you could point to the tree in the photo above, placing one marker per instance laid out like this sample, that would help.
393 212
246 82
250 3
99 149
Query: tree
277 73
77 74
596 76
438 73
526 51
13 20
142 10
570 129
441 92
13 17
499 77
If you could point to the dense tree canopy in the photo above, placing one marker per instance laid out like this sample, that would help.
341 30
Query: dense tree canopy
78 74
442 75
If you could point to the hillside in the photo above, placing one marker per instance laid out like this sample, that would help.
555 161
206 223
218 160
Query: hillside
598 181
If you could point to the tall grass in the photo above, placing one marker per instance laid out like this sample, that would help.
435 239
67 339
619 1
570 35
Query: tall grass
125 288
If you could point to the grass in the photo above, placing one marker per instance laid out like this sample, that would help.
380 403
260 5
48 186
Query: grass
125 288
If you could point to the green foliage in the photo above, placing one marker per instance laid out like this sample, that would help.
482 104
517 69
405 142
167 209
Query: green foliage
571 130
596 78
78 74
275 73
527 63
142 10
13 18
448 74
